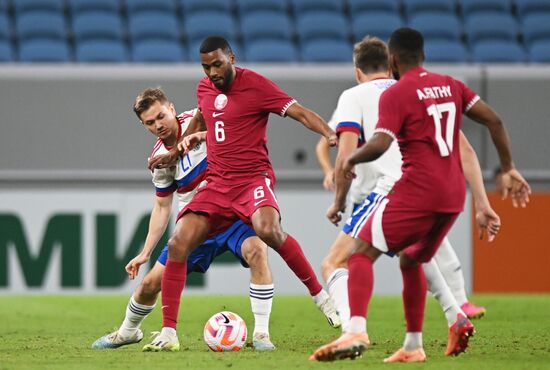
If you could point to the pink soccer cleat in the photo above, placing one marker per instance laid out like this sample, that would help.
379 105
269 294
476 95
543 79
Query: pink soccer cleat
401 355
459 335
347 346
473 311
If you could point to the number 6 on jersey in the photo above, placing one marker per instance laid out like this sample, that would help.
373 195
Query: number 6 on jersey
220 133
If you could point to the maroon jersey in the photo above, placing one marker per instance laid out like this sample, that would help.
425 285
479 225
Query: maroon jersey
423 111
236 122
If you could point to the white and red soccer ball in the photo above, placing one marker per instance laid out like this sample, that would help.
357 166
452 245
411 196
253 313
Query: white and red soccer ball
225 331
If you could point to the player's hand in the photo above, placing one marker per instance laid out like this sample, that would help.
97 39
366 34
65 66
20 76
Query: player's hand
513 184
487 222
334 213
348 170
332 139
328 181
132 268
189 142
164 160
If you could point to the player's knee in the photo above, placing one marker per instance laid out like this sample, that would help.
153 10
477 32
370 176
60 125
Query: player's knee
176 248
270 233
149 287
256 255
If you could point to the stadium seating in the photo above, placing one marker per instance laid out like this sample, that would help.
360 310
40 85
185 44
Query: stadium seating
536 27
101 51
41 24
437 25
469 7
136 6
378 24
79 6
526 7
97 25
248 6
23 6
326 51
271 51
5 27
44 51
322 24
414 6
539 51
446 51
196 6
359 6
498 51
302 7
200 25
490 25
266 25
158 51
148 25
6 51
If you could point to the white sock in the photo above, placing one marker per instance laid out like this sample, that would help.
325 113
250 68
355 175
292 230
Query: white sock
135 314
413 340
441 291
338 290
261 299
357 325
320 297
449 265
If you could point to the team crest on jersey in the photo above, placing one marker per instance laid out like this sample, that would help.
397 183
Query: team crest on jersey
220 102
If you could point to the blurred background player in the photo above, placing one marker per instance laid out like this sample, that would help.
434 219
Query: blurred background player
234 104
158 116
424 111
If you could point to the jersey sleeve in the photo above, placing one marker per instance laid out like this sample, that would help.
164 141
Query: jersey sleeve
272 98
469 97
348 115
389 114
200 94
163 180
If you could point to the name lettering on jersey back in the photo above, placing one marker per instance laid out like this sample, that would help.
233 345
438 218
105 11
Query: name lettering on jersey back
434 92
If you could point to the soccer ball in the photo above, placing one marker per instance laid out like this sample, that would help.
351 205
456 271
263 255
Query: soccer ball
225 331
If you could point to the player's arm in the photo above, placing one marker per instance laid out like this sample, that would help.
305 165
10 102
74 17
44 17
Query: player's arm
377 145
486 217
160 216
514 181
191 141
312 121
169 159
322 152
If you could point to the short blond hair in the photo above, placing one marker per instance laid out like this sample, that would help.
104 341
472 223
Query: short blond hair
371 55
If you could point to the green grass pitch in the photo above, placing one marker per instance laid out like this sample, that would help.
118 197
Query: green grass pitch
55 332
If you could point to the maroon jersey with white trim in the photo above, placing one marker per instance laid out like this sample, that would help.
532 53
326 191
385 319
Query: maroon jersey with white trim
423 110
236 122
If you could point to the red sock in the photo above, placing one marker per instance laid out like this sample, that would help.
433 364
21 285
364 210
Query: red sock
294 257
360 284
173 281
414 296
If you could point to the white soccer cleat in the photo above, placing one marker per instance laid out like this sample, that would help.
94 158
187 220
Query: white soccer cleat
114 340
162 342
327 308
261 342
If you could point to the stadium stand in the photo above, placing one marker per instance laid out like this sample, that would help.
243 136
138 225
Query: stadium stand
6 51
360 6
413 7
326 51
271 51
498 51
196 6
446 51
41 24
470 7
322 25
101 51
302 7
540 51
248 6
379 24
46 51
81 6
5 27
437 25
23 6
148 25
97 25
527 7
266 25
136 6
536 27
158 51
491 26
200 25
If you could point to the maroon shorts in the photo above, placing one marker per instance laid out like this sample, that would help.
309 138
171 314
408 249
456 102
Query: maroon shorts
225 203
393 228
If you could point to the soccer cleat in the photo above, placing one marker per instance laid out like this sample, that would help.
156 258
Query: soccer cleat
347 346
473 311
261 342
113 340
327 308
401 355
459 335
160 342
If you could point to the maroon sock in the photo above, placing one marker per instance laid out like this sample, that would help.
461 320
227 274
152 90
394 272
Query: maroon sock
360 283
414 296
294 257
173 281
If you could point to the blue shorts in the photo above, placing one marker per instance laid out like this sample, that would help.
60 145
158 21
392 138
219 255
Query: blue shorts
230 240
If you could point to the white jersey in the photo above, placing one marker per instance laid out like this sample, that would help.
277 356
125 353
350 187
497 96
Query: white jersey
186 177
357 111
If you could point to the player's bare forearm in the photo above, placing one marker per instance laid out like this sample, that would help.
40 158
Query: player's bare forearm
196 124
322 152
160 216
372 150
347 144
312 121
472 172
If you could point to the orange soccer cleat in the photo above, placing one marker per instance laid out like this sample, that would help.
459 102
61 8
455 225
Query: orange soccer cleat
401 355
473 311
459 335
347 346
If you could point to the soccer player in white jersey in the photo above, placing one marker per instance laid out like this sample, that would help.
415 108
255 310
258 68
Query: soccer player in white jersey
158 115
355 119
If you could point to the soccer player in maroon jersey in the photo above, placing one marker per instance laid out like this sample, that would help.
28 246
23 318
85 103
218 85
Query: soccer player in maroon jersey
423 111
234 104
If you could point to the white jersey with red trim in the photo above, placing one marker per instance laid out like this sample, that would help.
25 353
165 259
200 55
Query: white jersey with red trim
357 112
186 177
